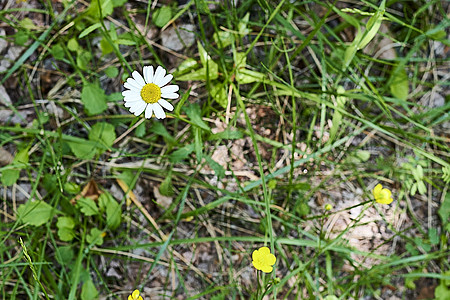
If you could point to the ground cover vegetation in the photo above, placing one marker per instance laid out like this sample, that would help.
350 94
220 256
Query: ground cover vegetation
244 149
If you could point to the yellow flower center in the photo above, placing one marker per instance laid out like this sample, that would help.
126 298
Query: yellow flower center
151 93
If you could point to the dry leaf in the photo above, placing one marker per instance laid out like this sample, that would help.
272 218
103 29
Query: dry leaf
90 191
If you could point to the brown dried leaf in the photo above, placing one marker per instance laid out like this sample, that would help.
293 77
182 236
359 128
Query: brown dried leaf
90 191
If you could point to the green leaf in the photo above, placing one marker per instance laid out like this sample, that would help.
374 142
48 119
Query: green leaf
436 35
244 76
411 249
433 236
337 115
444 210
240 59
113 210
202 6
113 213
117 3
350 52
181 153
87 206
399 84
112 72
95 237
302 186
202 73
242 26
194 113
161 130
204 57
210 69
112 32
83 59
223 38
21 37
372 27
421 243
66 255
57 51
442 292
27 23
219 93
88 291
140 130
198 144
22 157
218 169
10 176
186 66
348 18
106 9
180 103
72 45
125 42
104 133
421 187
114 97
106 46
162 16
82 150
363 155
35 213
71 188
93 98
409 283
446 174
65 222
446 281
166 187
65 228
227 134
128 177
89 30
413 189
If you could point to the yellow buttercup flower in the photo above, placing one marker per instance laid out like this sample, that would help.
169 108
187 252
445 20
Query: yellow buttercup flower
135 296
263 260
381 195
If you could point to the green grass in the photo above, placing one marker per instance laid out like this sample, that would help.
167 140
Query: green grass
284 107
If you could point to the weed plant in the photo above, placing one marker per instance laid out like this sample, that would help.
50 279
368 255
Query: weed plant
297 124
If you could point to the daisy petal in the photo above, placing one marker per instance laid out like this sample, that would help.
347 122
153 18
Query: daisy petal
165 104
159 112
130 93
138 78
134 105
149 111
132 100
170 89
131 104
132 84
159 75
166 80
139 108
148 74
170 96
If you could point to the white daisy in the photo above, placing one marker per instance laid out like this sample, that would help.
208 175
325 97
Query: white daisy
147 93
